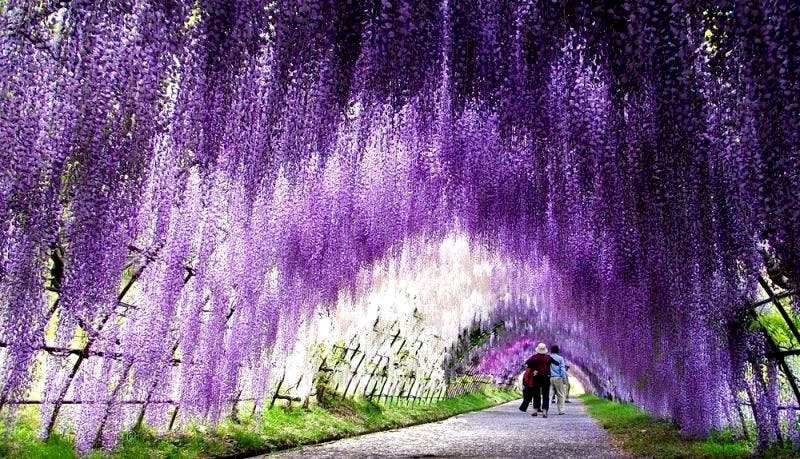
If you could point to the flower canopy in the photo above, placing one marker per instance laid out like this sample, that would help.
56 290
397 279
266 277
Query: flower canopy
241 162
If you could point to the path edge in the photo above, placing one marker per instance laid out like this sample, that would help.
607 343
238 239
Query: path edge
337 437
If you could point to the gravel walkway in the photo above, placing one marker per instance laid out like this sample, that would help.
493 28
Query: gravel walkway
502 431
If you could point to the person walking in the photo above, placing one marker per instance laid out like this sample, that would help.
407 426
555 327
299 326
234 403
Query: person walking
540 364
558 377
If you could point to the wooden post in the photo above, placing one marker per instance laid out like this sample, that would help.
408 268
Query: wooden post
355 374
437 392
779 306
385 380
289 397
428 379
775 350
739 411
400 393
462 385
277 389
410 394
51 422
343 351
385 394
235 408
474 384
140 418
172 418
98 439
366 386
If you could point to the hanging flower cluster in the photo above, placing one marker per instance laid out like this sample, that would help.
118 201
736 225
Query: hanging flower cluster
240 162
402 314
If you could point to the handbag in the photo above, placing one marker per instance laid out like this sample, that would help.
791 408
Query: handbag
527 378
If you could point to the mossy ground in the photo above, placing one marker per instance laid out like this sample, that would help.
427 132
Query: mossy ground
636 432
279 428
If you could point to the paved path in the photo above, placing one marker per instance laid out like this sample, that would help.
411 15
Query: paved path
502 431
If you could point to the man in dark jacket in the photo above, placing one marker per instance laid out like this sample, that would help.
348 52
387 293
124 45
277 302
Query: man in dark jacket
540 364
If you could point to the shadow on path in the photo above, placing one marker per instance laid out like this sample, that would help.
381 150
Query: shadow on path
502 431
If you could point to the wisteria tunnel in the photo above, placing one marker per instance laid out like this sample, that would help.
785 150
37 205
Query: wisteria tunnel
210 206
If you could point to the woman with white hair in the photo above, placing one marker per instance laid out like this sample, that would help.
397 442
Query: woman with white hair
540 364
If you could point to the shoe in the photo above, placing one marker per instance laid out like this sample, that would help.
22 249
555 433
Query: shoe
544 415
567 401
523 410
534 414
560 413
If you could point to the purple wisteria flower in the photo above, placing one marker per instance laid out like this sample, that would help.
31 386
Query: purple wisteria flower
191 178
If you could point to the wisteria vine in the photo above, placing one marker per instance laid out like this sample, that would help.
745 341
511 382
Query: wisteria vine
243 161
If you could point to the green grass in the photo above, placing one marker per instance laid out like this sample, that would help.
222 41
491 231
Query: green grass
25 433
279 428
635 431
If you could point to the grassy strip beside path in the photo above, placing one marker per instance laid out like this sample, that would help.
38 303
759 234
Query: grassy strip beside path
636 432
279 428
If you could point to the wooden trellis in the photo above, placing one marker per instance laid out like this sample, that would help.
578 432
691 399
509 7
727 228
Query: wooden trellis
385 373
771 298
388 373
83 353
